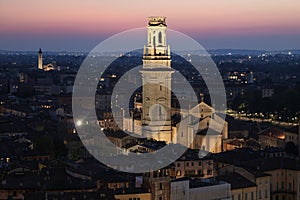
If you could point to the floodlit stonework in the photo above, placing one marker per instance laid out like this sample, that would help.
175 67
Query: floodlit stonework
156 102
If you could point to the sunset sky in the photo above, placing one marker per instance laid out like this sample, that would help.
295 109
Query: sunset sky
79 25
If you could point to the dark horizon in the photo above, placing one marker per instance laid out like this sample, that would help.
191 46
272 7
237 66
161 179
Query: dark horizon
285 50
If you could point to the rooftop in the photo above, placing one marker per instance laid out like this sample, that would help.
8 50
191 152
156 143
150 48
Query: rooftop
269 164
236 181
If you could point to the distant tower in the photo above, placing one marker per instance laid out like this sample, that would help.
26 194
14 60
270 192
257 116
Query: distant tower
156 77
40 59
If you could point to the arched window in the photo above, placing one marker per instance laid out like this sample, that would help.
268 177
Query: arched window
159 37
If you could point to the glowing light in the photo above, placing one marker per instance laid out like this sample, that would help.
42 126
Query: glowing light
281 137
79 123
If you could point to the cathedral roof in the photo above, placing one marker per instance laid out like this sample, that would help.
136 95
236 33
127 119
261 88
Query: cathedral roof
273 132
211 132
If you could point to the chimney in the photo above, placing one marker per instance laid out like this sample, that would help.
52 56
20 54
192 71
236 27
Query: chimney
201 97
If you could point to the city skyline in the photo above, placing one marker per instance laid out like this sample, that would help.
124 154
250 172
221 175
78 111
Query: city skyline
80 26
165 121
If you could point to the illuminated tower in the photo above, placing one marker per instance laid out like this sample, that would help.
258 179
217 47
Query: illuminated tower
156 77
40 59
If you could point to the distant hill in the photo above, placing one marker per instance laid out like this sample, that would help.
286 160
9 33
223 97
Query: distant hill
211 51
235 52
250 51
44 52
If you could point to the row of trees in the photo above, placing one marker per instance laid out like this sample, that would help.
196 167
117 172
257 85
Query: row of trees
284 104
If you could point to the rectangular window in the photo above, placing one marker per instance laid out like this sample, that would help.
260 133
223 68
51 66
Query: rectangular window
266 193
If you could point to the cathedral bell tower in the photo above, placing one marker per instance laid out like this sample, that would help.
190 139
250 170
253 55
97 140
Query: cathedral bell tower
156 77
40 59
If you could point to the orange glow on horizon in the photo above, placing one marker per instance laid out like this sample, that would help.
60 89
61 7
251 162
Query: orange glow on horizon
77 24
94 17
